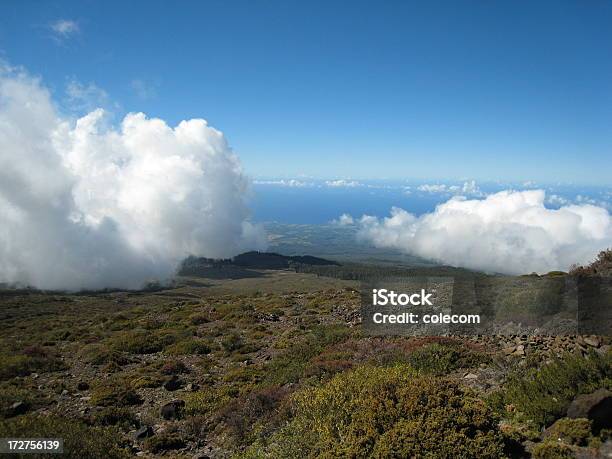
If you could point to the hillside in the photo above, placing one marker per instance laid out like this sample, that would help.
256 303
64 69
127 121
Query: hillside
601 266
243 265
279 365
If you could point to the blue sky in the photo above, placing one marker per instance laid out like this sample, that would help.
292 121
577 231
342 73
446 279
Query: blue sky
431 90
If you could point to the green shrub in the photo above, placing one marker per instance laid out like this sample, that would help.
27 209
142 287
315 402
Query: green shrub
388 412
140 342
232 342
543 394
80 441
208 400
115 416
32 359
10 394
190 346
440 359
99 354
164 442
146 380
293 364
552 450
243 374
15 365
199 318
114 393
571 431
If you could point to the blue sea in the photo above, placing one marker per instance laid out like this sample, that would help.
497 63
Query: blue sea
320 202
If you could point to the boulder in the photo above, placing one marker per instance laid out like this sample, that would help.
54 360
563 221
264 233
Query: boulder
174 383
82 385
173 409
143 432
592 341
18 408
191 387
520 350
509 350
596 406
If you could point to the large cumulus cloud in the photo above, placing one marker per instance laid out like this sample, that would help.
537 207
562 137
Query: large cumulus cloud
508 232
86 205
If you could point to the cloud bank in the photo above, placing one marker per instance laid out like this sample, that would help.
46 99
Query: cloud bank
86 205
469 188
295 183
342 183
507 232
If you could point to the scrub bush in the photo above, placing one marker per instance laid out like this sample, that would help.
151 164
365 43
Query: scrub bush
80 440
387 412
543 394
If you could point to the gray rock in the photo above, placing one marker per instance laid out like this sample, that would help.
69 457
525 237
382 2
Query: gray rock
596 406
173 409
174 383
520 350
82 385
18 408
592 341
191 387
509 350
143 432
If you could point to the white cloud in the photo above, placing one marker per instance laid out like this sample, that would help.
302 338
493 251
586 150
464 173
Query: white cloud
342 183
434 188
84 205
557 200
509 232
469 188
283 182
64 28
344 220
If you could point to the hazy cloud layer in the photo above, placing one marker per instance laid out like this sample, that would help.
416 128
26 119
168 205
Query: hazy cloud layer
86 205
145 90
296 183
64 28
341 183
469 189
284 182
508 232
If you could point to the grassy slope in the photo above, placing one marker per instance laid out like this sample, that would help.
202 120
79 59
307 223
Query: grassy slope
259 353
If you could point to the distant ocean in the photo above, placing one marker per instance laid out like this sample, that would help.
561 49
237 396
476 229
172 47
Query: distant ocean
320 202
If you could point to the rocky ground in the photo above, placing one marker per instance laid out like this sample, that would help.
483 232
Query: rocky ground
214 369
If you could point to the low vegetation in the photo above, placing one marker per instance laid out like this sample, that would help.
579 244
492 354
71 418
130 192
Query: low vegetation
543 393
282 369
80 440
386 412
